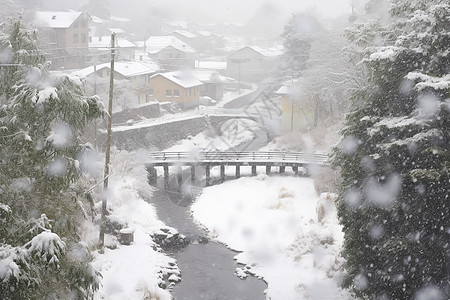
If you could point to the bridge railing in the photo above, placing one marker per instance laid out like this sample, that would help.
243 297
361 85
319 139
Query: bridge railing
245 156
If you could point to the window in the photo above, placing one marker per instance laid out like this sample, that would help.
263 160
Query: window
75 38
176 93
150 92
83 38
168 93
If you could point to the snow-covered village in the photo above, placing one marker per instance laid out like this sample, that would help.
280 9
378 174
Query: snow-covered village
260 149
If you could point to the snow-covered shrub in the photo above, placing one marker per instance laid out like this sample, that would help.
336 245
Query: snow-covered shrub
326 180
128 189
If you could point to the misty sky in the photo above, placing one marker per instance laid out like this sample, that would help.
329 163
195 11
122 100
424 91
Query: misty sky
241 10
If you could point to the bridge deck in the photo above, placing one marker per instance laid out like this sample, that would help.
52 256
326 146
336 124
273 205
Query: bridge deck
236 158
269 159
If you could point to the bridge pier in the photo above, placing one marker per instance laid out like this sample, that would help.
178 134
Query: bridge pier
179 177
152 174
238 171
166 175
295 169
222 173
253 170
192 173
282 169
268 169
207 174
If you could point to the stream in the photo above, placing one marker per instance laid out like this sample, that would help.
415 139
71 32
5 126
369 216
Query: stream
207 268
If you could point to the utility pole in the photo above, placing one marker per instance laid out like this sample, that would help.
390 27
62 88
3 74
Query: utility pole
95 93
108 144
292 103
292 114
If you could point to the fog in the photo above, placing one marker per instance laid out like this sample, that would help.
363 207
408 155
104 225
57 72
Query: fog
147 16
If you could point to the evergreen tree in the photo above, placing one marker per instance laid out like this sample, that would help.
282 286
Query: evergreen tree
394 156
298 34
42 115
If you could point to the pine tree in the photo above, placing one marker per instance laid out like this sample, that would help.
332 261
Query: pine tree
42 115
394 156
298 34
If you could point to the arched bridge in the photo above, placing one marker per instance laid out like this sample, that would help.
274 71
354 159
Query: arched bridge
209 159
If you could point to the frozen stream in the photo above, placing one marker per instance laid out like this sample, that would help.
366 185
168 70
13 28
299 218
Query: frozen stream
207 268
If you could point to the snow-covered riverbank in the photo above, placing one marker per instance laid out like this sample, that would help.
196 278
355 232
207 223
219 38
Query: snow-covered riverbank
133 271
273 221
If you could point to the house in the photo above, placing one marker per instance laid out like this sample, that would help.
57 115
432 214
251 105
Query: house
64 35
176 87
184 36
170 52
252 63
297 112
99 48
137 73
209 43
213 83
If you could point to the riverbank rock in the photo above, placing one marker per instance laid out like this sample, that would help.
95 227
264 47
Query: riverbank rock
126 236
169 276
168 239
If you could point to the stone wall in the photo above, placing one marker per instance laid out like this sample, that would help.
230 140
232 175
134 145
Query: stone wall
158 137
164 135
144 111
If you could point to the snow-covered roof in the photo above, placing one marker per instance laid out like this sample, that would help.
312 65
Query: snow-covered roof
97 20
272 52
56 19
134 68
155 44
184 33
105 41
125 68
283 90
266 52
204 33
209 76
181 78
116 30
119 19
291 87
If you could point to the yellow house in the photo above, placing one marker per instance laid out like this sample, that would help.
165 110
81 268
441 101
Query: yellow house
297 112
177 87
64 34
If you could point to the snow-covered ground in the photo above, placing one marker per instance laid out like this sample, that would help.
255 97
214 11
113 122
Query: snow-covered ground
273 221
